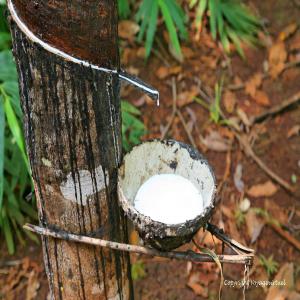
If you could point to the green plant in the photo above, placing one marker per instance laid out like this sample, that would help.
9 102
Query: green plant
15 179
132 127
230 20
173 16
214 108
138 270
239 217
123 8
269 264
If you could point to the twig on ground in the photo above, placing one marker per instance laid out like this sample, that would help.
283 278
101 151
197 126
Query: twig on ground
293 241
176 111
249 152
246 147
276 109
174 108
186 256
192 141
10 263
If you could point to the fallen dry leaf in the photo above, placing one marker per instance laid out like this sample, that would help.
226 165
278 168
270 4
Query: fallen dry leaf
226 132
126 56
214 141
237 80
229 101
254 225
277 212
237 178
295 43
287 32
128 29
295 130
286 275
32 286
141 52
262 98
197 288
210 61
187 97
243 117
163 72
266 189
188 52
228 212
253 84
277 58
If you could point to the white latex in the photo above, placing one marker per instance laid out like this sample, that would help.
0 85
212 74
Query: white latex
169 198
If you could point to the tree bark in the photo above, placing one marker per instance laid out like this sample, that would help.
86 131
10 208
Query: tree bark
72 124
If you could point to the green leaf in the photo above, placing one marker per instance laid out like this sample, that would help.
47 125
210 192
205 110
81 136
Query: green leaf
212 5
138 270
8 71
28 209
178 17
8 233
3 21
5 40
32 236
200 12
2 138
127 107
132 128
143 14
193 3
123 7
236 41
15 127
171 27
152 27
11 88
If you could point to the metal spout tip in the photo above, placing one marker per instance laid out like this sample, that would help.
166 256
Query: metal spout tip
141 85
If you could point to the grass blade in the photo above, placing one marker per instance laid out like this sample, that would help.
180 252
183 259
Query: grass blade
123 7
178 17
143 15
2 139
152 27
212 5
8 233
14 127
200 12
171 27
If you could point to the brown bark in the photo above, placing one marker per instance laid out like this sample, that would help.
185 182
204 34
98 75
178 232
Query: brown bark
85 29
72 127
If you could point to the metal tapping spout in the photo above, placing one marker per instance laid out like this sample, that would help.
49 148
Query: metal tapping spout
141 85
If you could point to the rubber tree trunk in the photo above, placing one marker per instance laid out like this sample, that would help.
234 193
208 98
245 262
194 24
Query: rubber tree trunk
72 124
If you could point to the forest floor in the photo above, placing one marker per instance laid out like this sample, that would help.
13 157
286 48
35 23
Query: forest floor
266 78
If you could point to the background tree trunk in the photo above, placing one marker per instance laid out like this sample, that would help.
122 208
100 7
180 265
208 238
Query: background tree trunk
72 124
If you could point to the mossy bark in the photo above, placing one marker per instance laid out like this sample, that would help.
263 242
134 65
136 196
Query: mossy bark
72 124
